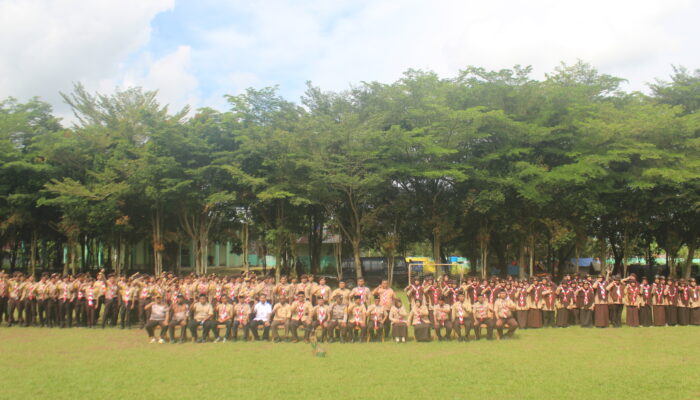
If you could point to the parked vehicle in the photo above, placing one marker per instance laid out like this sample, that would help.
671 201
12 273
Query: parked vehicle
374 270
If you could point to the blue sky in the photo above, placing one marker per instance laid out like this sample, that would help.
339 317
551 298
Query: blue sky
196 51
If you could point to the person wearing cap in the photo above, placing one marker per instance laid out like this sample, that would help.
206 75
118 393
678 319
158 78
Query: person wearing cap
179 312
462 317
201 313
658 301
483 314
338 319
342 291
160 313
521 303
281 313
357 317
536 303
503 309
442 315
631 300
399 321
262 314
301 317
564 299
241 317
645 318
376 319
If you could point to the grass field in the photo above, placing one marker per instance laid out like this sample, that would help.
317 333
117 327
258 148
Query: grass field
571 363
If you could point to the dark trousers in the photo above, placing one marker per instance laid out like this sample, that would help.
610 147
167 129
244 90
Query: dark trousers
52 312
489 328
465 327
548 318
81 312
440 325
42 311
125 314
375 333
4 309
615 311
512 326
183 329
227 325
143 313
111 312
12 307
151 328
206 326
243 325
254 329
336 329
29 312
295 324
275 326
65 313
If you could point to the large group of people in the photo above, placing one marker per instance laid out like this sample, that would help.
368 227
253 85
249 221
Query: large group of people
248 307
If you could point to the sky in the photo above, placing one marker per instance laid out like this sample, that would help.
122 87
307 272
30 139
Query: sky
194 52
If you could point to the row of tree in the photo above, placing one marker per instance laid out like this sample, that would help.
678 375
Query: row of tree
493 165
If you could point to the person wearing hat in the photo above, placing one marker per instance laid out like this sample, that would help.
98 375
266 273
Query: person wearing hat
178 317
521 303
483 314
645 318
549 305
357 320
201 313
585 297
399 321
565 297
241 315
223 316
301 317
160 312
658 301
536 297
462 317
503 309
615 303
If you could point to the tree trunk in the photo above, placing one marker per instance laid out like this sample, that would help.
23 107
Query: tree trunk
437 243
244 240
532 254
157 240
356 256
338 252
32 252
688 265
390 269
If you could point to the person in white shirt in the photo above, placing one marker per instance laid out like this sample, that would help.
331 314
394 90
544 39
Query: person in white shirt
262 312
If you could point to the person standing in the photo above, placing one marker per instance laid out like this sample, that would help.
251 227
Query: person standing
600 303
521 304
503 309
694 303
632 301
399 321
645 318
616 296
565 297
362 291
201 313
536 303
321 291
4 298
126 304
262 314
338 319
414 291
343 292
671 293
683 303
586 298
386 300
111 295
160 313
658 301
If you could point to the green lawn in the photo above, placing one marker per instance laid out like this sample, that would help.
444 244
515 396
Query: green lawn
571 363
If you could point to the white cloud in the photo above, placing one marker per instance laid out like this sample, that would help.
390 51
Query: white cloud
46 45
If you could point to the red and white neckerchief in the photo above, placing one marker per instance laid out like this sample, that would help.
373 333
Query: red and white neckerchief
375 317
522 298
442 317
241 314
65 292
646 291
321 314
202 288
218 293
482 311
356 311
492 294
416 291
323 291
454 294
618 291
659 293
565 296
586 293
362 290
475 293
685 294
174 296
283 291
91 296
223 314
126 296
603 291
460 314
385 297
537 295
694 291
435 293
632 296
15 291
300 310
81 294
510 293
112 291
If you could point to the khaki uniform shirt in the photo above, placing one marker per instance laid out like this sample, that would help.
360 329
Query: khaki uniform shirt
282 312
